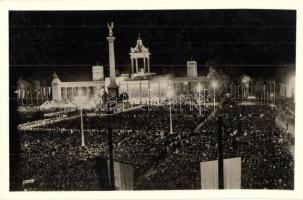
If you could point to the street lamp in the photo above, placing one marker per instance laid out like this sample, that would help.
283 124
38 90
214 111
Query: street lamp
214 85
204 99
180 101
170 95
274 91
102 93
149 89
199 87
264 92
80 101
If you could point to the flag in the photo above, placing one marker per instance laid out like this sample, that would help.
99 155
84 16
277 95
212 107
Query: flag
232 174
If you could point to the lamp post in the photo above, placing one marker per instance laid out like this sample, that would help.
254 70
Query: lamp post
264 90
204 99
180 100
82 132
199 87
274 91
170 94
102 93
214 85
190 106
238 91
149 89
170 121
220 153
80 101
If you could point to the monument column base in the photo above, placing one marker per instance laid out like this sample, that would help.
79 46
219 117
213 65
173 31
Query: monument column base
113 90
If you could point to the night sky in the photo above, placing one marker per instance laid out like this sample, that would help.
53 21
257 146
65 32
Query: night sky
256 42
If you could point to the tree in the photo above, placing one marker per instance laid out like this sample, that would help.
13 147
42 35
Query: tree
217 75
37 88
21 86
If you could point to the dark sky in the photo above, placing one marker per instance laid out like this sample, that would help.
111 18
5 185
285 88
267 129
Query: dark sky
241 41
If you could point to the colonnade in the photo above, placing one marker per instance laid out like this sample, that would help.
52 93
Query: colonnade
135 65
69 93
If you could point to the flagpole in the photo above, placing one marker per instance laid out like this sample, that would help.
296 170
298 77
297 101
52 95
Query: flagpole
220 154
82 133
110 149
199 102
170 120
274 92
204 101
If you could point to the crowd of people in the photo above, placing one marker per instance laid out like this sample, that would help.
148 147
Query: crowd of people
53 156
250 133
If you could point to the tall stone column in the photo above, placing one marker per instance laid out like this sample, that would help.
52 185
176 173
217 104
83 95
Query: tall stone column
73 94
132 63
112 88
148 67
66 94
137 69
144 64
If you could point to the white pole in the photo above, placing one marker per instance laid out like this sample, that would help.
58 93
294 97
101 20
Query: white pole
199 102
214 98
264 93
274 91
82 133
170 120
204 100
180 103
148 97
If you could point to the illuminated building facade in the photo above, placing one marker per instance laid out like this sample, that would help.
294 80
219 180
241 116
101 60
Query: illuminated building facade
140 83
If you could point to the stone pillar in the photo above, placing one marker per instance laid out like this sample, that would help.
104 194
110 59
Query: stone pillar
144 64
65 93
77 90
148 67
73 94
62 93
112 88
56 92
95 91
159 89
136 59
132 64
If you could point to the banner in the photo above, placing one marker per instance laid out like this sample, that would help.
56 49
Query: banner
232 174
209 174
124 176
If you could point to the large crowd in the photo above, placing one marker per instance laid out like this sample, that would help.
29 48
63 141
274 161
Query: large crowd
53 156
250 133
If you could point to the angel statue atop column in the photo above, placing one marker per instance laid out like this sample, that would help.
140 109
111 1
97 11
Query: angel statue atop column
110 28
